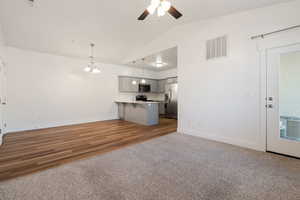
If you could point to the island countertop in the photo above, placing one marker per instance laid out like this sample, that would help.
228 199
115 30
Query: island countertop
140 112
137 102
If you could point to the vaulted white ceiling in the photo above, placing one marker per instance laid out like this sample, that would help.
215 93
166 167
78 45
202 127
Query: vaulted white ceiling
66 27
168 57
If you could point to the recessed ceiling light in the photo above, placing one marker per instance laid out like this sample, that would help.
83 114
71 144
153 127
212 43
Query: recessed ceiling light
159 64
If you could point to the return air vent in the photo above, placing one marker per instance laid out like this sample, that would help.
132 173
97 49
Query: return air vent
216 48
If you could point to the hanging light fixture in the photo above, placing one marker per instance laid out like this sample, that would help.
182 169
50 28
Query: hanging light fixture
92 65
143 81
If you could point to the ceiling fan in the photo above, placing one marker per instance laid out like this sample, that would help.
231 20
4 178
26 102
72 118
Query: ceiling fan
162 6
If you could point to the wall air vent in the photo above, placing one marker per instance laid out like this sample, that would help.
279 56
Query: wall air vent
216 47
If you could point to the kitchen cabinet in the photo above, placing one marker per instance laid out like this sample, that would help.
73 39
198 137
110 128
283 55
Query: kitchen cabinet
153 84
161 86
172 80
162 83
126 84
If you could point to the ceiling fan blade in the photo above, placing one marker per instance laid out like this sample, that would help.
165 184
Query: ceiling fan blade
174 12
144 15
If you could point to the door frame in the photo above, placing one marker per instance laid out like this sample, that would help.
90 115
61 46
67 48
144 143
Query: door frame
2 93
3 82
263 45
275 143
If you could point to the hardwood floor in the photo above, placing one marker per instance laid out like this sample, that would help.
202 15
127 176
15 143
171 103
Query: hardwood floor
31 151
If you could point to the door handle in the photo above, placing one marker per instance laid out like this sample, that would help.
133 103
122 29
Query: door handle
269 103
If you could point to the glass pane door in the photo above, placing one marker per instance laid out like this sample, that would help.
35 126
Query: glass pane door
283 100
289 95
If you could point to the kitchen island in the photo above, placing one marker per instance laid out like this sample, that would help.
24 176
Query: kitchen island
140 112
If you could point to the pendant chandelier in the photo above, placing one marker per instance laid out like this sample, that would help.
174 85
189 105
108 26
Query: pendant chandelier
143 81
92 66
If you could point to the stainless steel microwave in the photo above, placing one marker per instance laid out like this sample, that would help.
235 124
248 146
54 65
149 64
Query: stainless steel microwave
144 88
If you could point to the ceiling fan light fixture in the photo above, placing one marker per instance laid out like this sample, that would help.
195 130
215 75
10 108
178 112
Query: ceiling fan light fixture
155 3
160 11
151 9
162 7
166 5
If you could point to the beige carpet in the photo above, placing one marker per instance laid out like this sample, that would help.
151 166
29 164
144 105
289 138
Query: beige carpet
170 167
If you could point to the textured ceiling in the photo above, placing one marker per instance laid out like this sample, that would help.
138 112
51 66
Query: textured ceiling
66 27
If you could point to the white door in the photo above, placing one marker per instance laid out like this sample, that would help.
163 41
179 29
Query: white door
283 100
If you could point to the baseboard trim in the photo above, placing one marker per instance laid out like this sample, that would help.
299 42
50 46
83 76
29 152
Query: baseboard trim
55 125
285 155
240 143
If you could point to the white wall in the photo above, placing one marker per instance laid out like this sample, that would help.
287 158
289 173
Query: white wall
220 99
2 43
289 97
46 90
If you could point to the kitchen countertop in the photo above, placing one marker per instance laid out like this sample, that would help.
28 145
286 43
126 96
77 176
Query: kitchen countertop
137 102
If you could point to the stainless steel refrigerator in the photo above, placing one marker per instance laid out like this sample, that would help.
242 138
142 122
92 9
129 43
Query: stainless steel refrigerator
171 100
